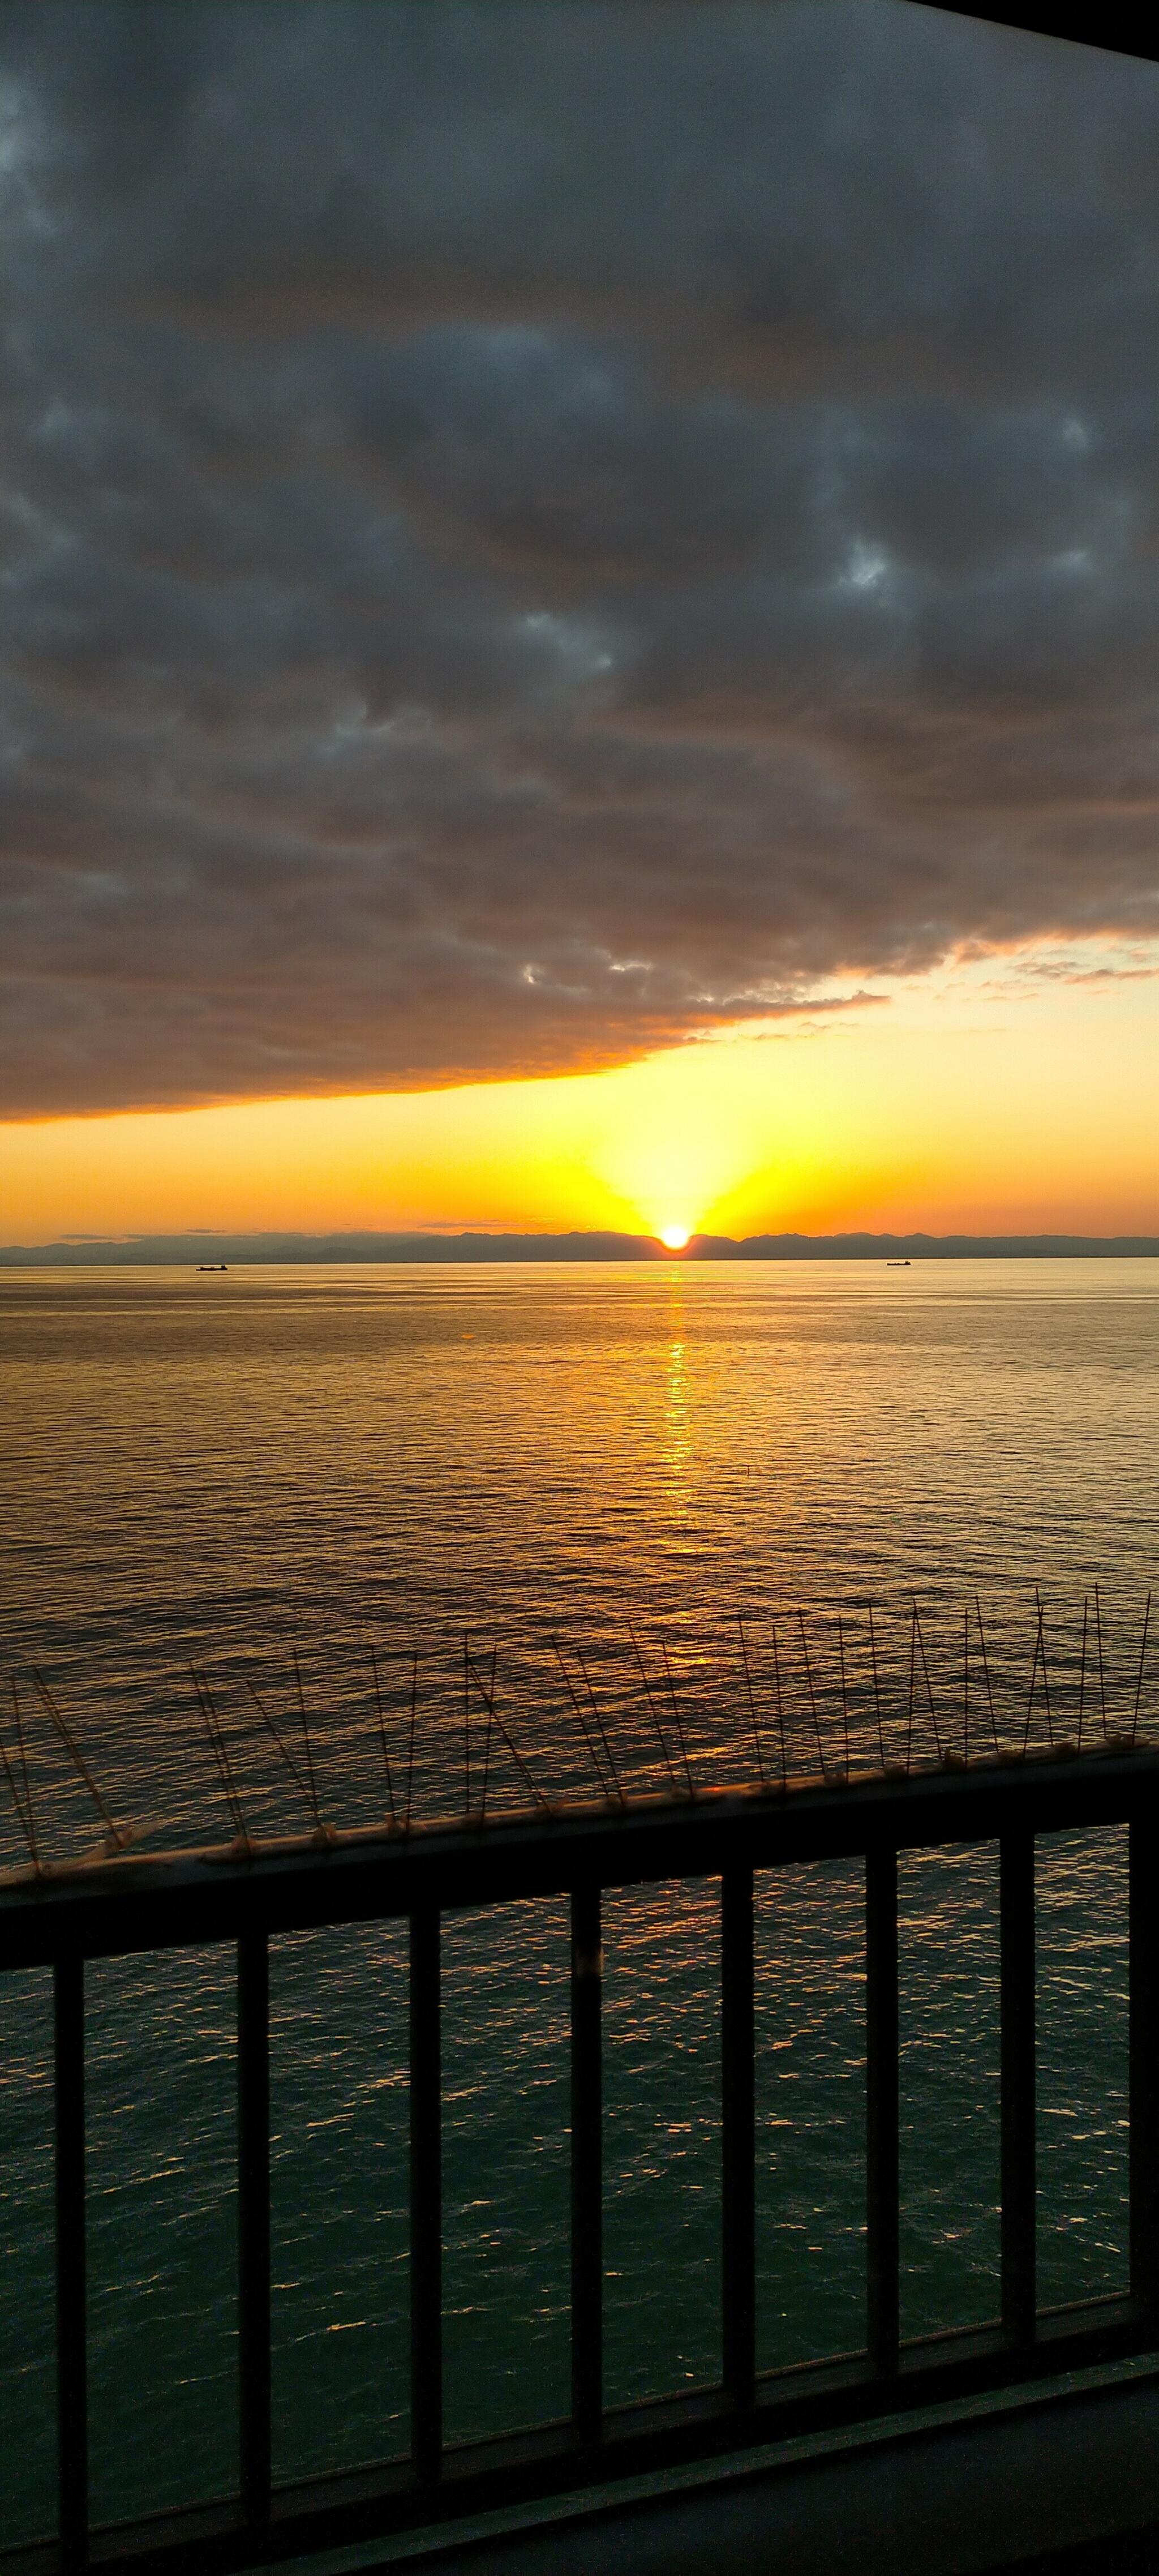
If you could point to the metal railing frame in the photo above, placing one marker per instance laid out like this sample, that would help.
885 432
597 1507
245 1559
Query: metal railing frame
62 1920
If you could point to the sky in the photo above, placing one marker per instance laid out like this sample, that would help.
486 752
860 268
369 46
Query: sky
579 622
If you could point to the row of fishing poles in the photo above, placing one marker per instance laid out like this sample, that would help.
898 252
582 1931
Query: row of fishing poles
667 1720
769 1726
952 1750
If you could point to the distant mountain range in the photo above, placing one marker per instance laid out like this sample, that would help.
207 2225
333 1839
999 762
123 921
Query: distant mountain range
186 1251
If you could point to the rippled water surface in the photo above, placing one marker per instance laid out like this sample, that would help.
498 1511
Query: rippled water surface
222 1469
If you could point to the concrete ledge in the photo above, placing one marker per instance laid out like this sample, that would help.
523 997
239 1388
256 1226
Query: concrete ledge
1062 2482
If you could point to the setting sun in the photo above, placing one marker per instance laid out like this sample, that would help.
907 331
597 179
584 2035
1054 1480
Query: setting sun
1034 1109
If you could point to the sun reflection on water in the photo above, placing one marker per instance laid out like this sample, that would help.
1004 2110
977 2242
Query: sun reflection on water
677 1442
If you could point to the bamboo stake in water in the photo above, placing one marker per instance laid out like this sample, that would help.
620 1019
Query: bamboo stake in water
410 1765
466 1730
213 1728
986 1673
11 1780
382 1734
676 1719
744 1656
23 1759
1083 1670
313 1791
512 1747
876 1690
76 1757
487 1737
1045 1674
966 1686
581 1720
909 1730
652 1707
282 1746
780 1710
23 1805
1102 1678
926 1677
597 1719
1139 1683
844 1694
812 1692
1033 1679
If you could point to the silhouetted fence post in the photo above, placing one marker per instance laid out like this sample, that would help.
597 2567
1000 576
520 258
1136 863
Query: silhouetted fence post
587 2234
71 2298
738 2138
253 2221
881 2088
426 2197
1144 2060
1019 2113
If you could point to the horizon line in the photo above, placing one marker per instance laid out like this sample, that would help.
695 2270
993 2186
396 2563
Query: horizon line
271 1244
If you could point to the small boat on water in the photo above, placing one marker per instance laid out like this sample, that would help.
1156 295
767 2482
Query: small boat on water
213 1265
890 1265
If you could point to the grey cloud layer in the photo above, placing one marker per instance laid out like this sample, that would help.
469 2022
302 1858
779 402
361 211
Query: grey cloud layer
525 532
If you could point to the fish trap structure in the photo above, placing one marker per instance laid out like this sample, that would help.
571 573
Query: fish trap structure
835 1741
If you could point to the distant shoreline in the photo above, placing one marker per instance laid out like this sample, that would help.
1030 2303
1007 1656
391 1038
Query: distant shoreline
189 1250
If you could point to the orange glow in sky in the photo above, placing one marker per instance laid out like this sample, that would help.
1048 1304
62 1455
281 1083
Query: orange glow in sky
994 1099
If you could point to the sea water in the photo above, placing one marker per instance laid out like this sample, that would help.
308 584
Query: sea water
221 1470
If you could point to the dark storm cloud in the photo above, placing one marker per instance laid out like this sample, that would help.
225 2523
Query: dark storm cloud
526 532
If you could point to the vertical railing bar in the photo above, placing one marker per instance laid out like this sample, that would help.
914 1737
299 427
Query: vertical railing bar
426 2197
71 2301
1019 2163
587 2256
881 2106
1143 1973
253 2222
738 2136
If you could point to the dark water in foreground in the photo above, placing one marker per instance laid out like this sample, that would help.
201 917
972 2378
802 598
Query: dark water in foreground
219 1469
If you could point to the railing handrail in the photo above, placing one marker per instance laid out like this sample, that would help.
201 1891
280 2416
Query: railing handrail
129 1903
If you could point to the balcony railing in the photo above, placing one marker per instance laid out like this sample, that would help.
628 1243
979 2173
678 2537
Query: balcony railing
129 1906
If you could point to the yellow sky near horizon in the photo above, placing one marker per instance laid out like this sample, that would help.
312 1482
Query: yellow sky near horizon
989 1098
